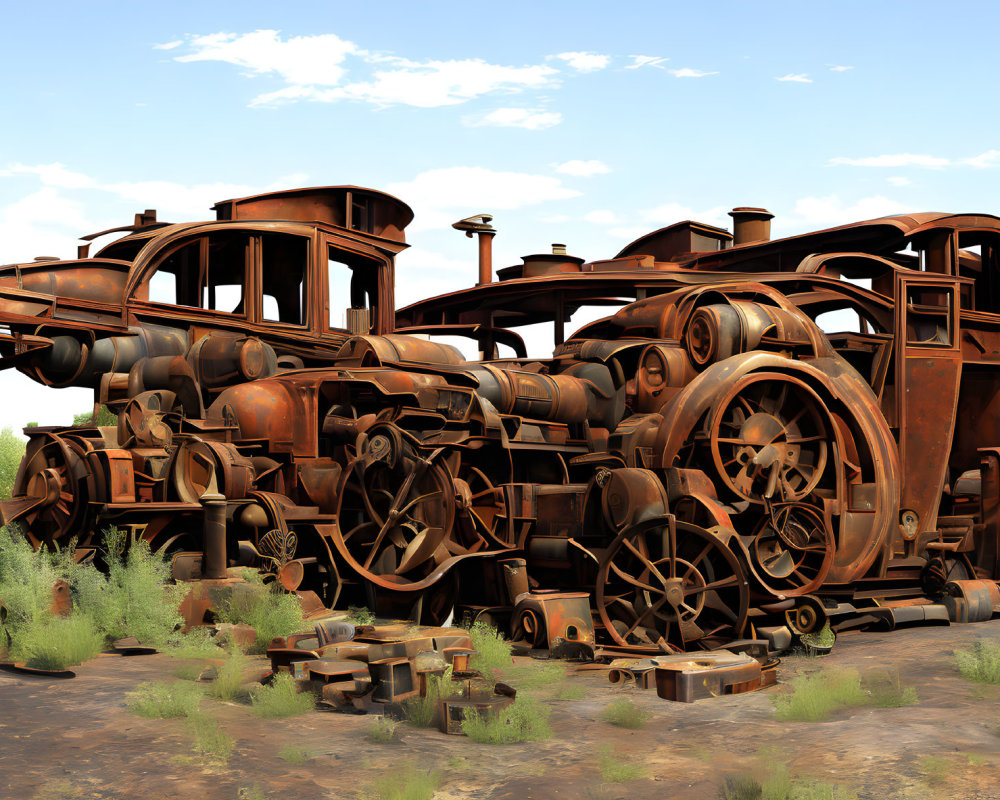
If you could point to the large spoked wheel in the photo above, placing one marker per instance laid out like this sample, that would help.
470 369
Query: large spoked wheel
397 508
481 520
768 437
792 550
50 500
668 581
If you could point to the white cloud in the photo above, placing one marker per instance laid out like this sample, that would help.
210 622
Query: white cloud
601 217
796 77
647 61
687 72
817 212
893 160
839 68
43 223
991 158
531 119
168 45
313 69
54 174
669 213
582 169
438 195
179 199
584 61
899 180
300 60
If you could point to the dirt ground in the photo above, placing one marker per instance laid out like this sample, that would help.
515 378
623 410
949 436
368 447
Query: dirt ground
75 739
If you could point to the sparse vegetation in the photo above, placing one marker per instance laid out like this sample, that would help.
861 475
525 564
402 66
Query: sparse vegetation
624 713
11 452
615 769
281 699
885 690
359 615
105 417
228 683
981 663
525 720
814 697
422 711
162 700
267 610
534 674
492 652
189 671
251 793
406 783
383 731
772 782
567 692
976 760
935 769
294 754
209 738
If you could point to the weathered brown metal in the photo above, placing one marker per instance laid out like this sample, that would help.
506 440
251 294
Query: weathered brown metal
703 462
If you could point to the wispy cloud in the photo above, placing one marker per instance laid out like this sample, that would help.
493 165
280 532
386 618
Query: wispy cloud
899 180
584 61
647 61
687 72
601 217
168 45
314 69
838 67
582 169
892 160
814 212
54 174
528 118
796 77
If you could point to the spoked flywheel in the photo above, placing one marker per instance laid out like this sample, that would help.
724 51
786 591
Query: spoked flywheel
667 581
792 550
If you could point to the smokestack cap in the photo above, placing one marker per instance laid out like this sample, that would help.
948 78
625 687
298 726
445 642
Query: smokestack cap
750 212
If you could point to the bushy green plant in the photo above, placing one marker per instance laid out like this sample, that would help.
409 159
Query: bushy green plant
162 700
772 782
383 731
11 452
422 711
492 652
228 683
189 671
135 598
209 738
525 720
26 581
281 699
294 754
981 663
266 609
814 697
60 642
623 713
105 417
406 783
359 615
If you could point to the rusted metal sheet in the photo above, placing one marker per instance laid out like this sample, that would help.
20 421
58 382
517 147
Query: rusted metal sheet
709 461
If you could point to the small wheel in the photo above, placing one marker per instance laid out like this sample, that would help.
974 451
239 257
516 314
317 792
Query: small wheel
792 551
768 437
664 581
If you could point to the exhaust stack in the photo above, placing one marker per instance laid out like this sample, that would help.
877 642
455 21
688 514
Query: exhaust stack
751 225
480 225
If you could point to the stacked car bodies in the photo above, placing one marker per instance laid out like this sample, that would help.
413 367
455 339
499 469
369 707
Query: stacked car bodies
701 463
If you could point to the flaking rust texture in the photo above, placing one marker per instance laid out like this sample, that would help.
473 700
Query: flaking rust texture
703 465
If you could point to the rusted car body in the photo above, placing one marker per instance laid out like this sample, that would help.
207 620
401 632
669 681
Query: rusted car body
701 463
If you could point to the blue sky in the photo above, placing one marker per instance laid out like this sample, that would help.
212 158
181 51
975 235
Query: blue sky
584 123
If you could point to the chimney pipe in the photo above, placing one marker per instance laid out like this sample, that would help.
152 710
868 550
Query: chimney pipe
480 225
751 225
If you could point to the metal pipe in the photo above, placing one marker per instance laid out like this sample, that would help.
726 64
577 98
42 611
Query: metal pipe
751 225
486 256
214 561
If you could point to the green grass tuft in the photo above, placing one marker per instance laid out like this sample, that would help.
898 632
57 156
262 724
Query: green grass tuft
12 449
281 699
535 674
209 738
189 671
406 783
565 692
526 720
981 663
623 713
228 683
60 642
359 615
885 690
814 697
618 770
492 652
422 712
935 769
774 783
266 609
294 754
251 793
383 731
161 700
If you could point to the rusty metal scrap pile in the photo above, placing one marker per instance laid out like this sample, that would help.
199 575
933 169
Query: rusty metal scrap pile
703 465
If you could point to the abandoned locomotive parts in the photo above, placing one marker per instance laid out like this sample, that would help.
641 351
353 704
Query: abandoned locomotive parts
698 464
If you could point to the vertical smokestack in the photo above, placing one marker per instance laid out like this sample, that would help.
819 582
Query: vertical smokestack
751 225
480 225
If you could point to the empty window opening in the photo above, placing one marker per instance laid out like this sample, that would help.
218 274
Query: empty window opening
283 271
